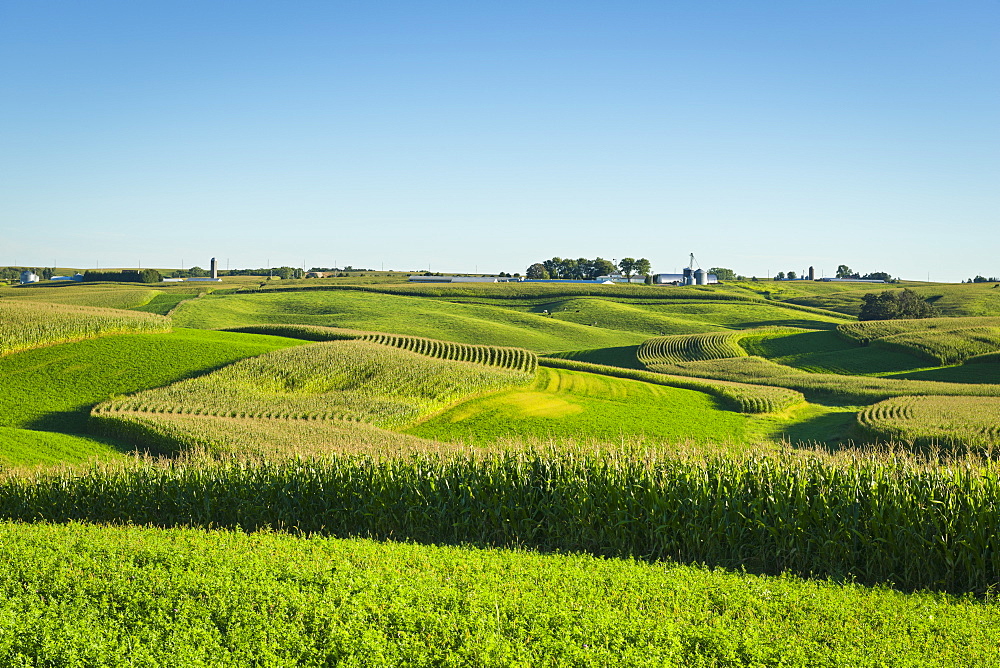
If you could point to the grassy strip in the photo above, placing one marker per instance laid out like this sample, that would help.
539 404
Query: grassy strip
107 597
24 447
880 521
25 325
743 397
952 421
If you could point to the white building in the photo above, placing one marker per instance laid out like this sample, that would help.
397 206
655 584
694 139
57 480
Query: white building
29 277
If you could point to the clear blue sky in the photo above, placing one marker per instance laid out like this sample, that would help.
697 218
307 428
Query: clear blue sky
762 136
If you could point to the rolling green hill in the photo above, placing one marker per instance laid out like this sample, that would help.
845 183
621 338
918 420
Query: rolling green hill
352 309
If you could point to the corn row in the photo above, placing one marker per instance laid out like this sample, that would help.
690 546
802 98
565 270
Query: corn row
882 521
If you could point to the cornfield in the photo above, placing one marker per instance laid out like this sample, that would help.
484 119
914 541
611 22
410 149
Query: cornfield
863 389
690 348
877 521
939 340
950 421
517 359
27 324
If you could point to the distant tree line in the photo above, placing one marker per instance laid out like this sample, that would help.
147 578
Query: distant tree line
585 269
123 276
894 305
983 279
284 273
843 271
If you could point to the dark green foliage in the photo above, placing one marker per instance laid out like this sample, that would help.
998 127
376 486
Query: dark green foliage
723 274
894 305
123 276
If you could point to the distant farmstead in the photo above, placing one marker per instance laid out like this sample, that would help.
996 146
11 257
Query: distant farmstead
29 277
459 279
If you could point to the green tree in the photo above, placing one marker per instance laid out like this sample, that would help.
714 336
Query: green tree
627 266
723 274
843 271
537 271
602 267
150 276
894 305
643 267
780 276
792 276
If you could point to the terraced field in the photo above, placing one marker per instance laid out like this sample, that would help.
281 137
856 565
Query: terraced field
948 421
356 381
942 341
821 386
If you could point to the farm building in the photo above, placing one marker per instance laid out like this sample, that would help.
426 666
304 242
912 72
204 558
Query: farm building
75 277
689 277
29 277
459 279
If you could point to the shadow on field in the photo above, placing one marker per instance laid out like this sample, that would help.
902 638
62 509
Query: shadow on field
834 429
785 322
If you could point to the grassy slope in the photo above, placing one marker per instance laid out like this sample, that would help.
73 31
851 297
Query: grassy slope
464 323
571 404
24 447
110 597
657 319
53 388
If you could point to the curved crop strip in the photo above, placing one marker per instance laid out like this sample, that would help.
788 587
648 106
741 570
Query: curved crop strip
742 397
930 420
945 346
864 332
26 325
863 389
696 347
517 359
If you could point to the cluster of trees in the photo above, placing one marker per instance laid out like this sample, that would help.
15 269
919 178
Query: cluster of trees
724 274
894 305
983 279
782 276
843 271
583 269
281 272
14 273
124 276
